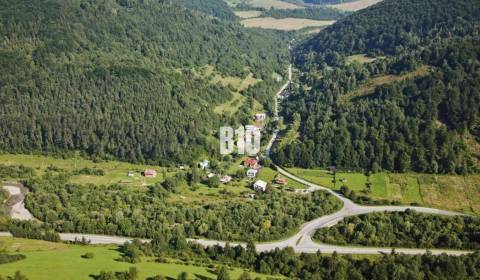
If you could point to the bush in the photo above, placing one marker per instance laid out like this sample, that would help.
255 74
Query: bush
7 258
88 255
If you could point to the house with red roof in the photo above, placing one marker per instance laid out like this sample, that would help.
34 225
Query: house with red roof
150 173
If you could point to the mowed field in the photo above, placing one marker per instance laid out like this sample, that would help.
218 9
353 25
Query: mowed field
46 261
285 23
449 192
248 14
276 4
356 5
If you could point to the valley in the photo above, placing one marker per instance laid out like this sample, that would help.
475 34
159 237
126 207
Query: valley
110 166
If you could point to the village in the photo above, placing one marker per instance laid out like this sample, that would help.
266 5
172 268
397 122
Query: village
254 172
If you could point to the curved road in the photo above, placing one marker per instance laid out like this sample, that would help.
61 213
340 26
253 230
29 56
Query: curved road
302 241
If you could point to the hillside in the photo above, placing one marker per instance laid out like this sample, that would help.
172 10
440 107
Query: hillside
216 8
116 79
390 88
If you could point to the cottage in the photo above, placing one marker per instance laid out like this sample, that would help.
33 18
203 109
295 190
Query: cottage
260 117
204 164
260 186
252 173
150 173
281 181
250 162
225 179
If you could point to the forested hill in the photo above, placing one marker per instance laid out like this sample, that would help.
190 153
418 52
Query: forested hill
216 8
114 78
394 87
391 26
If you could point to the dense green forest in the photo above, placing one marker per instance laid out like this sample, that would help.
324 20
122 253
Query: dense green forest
419 119
405 229
115 79
315 13
216 8
119 210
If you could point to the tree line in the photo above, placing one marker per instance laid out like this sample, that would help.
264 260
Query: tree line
407 229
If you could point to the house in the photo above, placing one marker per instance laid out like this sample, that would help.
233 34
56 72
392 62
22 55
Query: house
260 116
150 173
260 186
130 174
204 164
211 175
281 181
225 179
252 173
250 162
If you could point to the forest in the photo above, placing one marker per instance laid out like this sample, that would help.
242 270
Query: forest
405 229
115 79
315 13
418 123
216 8
118 210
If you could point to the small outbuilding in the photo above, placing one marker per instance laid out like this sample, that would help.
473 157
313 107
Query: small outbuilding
225 179
260 186
281 181
252 173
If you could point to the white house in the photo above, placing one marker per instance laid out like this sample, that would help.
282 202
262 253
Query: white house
252 173
260 186
204 164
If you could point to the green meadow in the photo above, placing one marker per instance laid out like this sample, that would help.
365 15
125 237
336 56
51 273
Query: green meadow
46 261
449 192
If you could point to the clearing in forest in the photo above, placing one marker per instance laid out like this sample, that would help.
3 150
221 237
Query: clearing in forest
285 23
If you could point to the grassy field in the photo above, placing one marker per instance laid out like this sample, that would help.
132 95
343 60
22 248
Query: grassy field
360 58
276 4
285 23
248 14
115 171
236 84
356 5
370 85
449 192
291 134
47 261
268 175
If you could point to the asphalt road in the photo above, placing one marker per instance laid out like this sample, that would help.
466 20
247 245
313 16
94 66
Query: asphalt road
302 241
